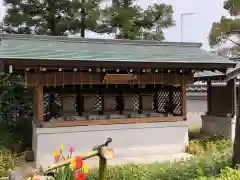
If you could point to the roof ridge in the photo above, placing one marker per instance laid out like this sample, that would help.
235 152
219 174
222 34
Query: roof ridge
97 41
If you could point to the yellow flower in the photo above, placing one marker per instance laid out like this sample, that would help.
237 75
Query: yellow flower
61 147
73 164
29 178
55 153
85 168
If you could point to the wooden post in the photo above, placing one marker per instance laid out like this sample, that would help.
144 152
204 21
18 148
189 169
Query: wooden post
140 103
209 95
232 84
184 98
102 168
38 102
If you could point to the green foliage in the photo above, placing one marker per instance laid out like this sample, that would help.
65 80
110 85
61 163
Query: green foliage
55 18
7 161
208 144
208 165
14 98
221 30
233 7
64 173
129 21
226 173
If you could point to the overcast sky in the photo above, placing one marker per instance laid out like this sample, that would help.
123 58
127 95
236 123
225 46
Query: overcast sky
195 27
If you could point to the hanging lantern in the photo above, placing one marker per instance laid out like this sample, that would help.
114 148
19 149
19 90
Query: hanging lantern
10 69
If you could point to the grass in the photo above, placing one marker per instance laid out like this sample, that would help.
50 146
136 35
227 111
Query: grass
199 166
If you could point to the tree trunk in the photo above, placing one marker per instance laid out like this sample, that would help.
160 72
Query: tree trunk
83 16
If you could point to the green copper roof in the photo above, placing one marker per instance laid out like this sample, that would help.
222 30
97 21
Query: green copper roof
65 48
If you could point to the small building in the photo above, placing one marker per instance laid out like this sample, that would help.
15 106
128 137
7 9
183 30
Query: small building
223 101
86 90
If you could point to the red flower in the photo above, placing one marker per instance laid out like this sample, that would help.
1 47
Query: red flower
79 176
79 162
57 157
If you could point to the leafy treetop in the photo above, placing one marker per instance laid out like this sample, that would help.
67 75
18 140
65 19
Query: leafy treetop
55 18
226 27
129 21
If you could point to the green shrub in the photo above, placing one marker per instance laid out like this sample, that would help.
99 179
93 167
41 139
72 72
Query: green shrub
226 173
199 143
7 161
208 165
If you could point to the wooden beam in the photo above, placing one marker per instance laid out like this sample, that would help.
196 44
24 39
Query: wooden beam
209 97
112 121
78 78
39 104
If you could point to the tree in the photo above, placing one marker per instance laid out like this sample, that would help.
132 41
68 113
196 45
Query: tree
56 18
220 32
226 27
129 21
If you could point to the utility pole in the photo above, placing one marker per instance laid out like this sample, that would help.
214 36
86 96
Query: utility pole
182 16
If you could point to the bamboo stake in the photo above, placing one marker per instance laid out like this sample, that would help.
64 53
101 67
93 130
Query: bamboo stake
104 153
68 161
102 168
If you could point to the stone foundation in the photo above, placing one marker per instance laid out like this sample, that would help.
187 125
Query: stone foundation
215 125
129 140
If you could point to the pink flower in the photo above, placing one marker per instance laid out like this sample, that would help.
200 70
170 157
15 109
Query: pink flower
71 149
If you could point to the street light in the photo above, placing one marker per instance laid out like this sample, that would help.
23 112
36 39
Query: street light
182 16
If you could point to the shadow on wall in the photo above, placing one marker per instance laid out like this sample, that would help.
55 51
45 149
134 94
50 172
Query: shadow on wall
196 108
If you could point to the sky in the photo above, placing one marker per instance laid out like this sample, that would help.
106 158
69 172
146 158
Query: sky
195 27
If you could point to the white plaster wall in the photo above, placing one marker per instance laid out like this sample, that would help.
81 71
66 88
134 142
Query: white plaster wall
128 140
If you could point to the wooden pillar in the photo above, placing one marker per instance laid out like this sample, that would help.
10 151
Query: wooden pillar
236 144
184 98
103 104
120 103
140 103
232 85
39 104
209 97
79 102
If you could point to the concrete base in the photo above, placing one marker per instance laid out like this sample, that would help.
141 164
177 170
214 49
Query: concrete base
215 125
129 140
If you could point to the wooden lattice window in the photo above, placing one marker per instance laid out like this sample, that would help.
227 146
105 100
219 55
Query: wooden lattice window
177 102
52 104
98 104
135 102
162 99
